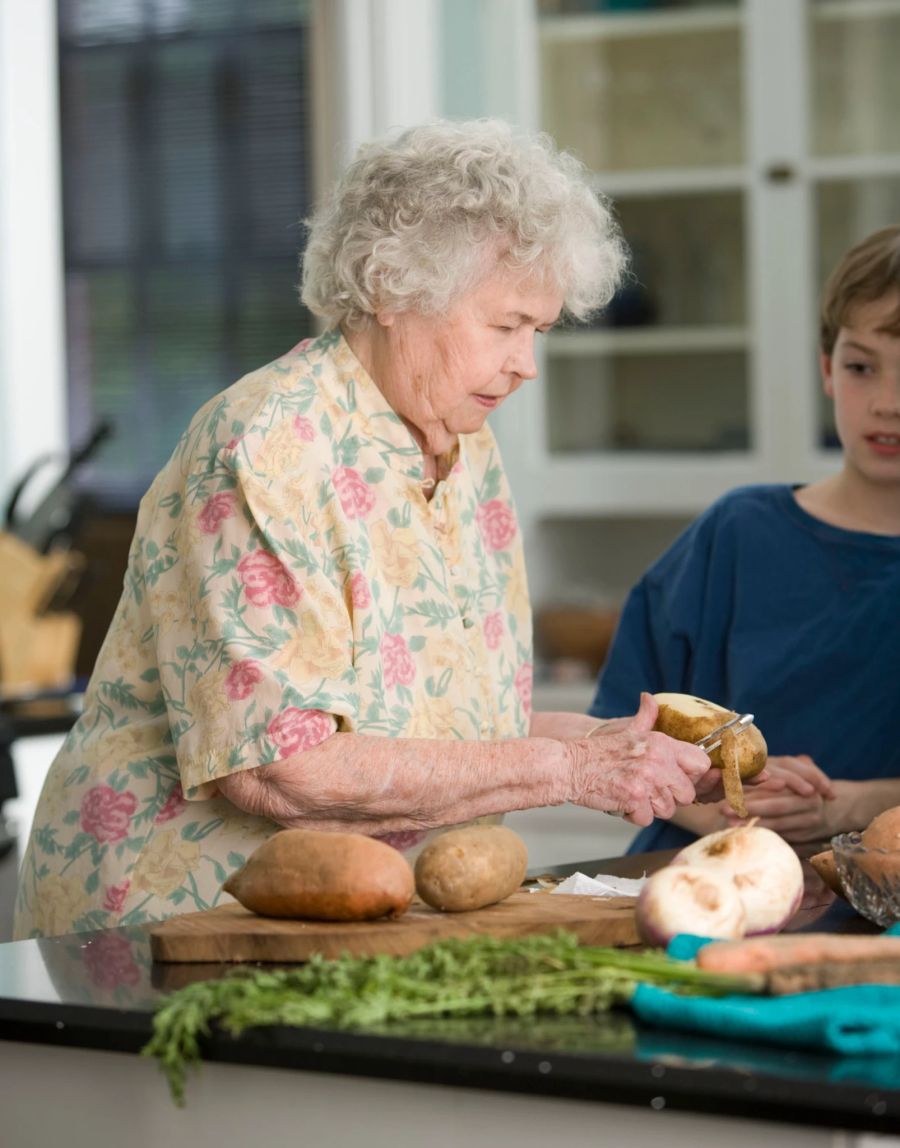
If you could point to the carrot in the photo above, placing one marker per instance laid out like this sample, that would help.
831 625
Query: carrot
764 954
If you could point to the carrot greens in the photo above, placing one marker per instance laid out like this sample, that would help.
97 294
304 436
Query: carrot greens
479 976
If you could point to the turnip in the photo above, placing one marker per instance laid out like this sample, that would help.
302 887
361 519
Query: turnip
765 869
698 899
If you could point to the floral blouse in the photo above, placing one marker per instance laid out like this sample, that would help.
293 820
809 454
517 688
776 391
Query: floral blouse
287 580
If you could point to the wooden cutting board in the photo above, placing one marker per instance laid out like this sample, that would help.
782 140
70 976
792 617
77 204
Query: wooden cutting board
233 933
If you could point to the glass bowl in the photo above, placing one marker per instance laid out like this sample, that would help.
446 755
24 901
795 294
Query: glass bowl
870 878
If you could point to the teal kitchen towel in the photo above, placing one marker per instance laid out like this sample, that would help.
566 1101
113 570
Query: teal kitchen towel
858 1020
854 1021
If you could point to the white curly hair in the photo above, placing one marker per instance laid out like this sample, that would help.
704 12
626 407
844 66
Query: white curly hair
420 218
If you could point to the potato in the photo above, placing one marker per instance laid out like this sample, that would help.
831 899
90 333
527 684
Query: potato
471 867
825 866
687 718
883 831
324 877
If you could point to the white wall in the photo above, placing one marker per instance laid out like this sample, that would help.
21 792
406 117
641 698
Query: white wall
32 386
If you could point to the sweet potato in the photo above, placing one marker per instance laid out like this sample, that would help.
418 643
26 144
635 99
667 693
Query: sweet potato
883 831
325 877
825 866
471 867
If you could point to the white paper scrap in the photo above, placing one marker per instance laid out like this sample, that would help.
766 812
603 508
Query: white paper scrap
603 885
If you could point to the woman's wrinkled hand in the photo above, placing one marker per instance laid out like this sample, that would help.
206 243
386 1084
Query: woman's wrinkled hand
627 767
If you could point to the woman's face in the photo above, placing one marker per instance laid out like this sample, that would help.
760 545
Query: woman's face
444 374
862 376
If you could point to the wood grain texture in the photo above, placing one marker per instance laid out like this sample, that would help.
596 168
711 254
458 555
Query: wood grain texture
233 933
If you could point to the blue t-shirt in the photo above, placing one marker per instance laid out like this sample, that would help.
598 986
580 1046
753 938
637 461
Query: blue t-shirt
764 609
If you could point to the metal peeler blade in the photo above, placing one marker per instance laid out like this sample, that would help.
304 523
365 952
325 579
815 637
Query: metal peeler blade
714 738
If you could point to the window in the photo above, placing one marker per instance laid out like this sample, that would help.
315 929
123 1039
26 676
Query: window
186 154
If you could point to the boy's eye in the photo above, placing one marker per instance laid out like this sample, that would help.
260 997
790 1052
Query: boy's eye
857 368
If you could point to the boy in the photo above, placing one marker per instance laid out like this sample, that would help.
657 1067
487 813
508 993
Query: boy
784 601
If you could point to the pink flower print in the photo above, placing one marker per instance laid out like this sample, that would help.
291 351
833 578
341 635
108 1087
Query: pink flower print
115 897
396 660
497 523
360 595
109 961
295 729
175 802
232 442
523 684
106 814
493 629
304 429
242 677
357 497
217 509
301 346
266 581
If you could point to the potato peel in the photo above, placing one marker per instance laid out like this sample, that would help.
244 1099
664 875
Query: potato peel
731 772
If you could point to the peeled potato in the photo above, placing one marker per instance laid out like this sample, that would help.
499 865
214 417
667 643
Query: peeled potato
688 718
883 831
325 877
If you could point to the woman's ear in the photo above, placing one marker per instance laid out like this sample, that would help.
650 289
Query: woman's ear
385 318
825 369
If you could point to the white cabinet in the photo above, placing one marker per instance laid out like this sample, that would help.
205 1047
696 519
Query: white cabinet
745 146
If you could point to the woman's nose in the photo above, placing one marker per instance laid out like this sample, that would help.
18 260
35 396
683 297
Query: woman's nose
523 362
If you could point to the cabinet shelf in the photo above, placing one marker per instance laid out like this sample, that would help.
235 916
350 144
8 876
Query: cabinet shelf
657 182
638 484
618 25
855 167
855 9
647 341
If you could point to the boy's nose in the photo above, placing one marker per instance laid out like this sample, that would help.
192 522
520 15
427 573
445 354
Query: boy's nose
886 400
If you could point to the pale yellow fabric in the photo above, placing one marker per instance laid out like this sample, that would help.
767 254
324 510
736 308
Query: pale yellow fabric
287 579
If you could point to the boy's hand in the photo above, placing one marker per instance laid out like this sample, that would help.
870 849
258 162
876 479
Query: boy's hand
799 774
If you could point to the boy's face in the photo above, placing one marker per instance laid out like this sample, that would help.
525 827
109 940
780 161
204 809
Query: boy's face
862 376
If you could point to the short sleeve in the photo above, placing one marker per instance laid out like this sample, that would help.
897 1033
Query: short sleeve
259 666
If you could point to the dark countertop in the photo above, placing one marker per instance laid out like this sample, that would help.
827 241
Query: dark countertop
98 990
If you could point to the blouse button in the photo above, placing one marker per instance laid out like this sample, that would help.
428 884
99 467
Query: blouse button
468 623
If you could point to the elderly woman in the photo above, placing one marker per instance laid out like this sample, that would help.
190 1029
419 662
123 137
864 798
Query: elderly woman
325 620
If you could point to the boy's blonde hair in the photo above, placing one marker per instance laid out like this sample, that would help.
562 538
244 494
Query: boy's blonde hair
868 272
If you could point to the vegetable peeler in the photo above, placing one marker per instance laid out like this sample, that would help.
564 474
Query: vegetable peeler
713 739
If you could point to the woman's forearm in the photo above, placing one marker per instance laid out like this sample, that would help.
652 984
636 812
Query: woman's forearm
387 785
562 725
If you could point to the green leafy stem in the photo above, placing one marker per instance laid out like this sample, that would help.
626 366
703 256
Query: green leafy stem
479 976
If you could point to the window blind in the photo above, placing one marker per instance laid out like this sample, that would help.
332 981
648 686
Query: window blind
186 145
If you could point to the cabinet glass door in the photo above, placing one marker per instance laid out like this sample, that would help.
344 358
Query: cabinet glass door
854 49
664 369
